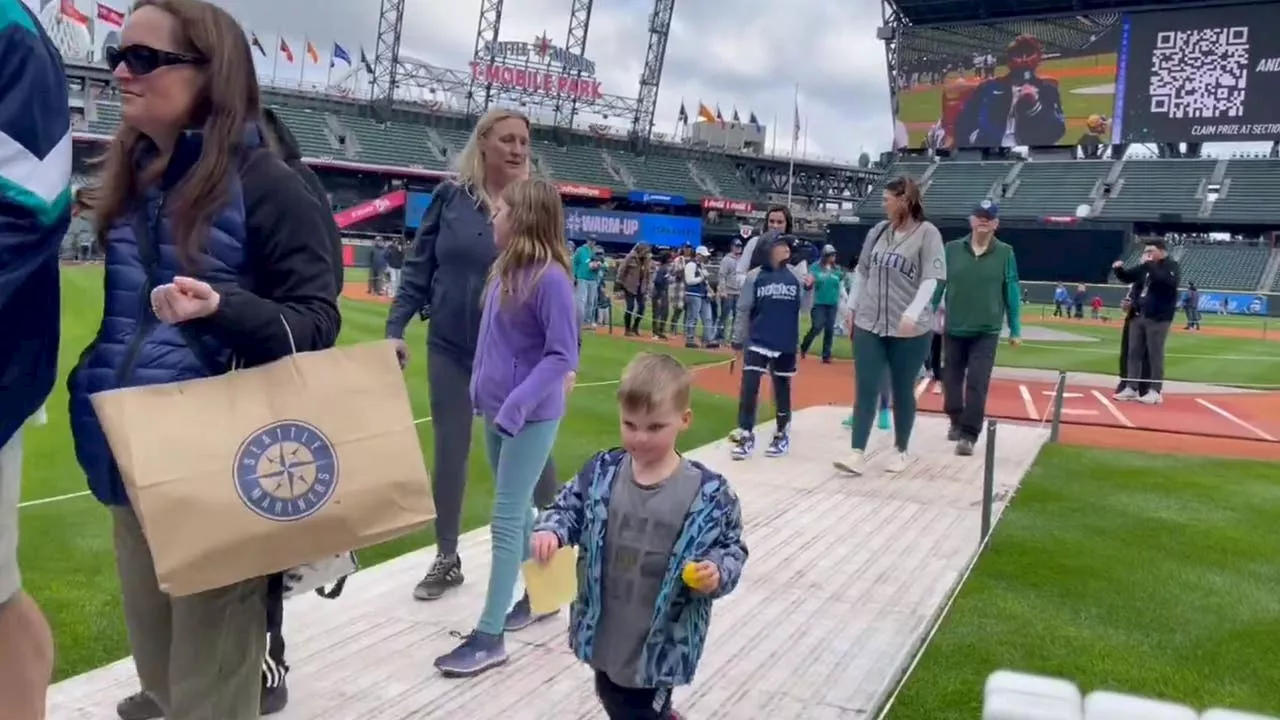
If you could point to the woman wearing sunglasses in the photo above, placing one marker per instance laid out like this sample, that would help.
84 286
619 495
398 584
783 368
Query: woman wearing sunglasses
211 240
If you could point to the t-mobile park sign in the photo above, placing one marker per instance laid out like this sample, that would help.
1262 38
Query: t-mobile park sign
538 66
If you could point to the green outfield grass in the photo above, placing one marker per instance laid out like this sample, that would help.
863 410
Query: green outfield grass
920 107
1142 574
66 554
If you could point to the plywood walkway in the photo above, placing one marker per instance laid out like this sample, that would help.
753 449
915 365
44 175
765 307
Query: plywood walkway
843 579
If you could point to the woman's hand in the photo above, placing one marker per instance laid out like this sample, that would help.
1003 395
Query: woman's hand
569 381
184 299
402 353
907 327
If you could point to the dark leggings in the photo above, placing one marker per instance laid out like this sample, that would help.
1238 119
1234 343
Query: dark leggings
635 312
903 357
935 356
451 421
822 319
661 308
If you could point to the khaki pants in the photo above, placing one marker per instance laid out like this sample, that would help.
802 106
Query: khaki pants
199 656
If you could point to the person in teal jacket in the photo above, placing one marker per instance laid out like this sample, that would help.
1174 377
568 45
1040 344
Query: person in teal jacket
827 278
587 267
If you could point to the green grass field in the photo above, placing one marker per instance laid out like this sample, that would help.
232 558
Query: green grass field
1141 572
1078 79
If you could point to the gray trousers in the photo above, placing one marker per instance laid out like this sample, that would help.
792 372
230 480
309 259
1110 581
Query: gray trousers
198 656
451 421
1146 345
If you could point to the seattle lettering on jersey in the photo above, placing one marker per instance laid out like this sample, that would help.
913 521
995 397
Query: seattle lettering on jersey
895 261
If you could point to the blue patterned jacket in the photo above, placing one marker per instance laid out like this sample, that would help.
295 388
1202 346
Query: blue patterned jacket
712 531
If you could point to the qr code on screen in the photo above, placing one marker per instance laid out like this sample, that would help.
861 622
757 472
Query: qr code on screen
1200 73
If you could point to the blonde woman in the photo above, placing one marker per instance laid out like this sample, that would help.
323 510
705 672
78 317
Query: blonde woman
530 333
445 273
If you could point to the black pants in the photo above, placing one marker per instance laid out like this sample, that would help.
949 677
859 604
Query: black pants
781 368
935 356
822 319
661 308
966 377
622 703
274 667
1143 372
635 312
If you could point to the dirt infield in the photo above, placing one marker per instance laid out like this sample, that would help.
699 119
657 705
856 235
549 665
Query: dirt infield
360 291
1228 331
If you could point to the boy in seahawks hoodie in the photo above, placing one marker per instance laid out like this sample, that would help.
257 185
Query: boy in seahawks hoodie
767 333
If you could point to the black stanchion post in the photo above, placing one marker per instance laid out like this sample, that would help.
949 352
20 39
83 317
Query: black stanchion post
1059 392
988 481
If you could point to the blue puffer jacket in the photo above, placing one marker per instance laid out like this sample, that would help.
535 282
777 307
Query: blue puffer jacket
132 347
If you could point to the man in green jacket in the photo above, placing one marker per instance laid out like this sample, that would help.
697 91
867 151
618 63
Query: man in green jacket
981 291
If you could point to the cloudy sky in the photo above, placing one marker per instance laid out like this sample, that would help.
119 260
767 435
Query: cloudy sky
748 57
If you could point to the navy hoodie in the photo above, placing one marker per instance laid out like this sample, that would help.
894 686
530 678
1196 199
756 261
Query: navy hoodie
769 310
35 209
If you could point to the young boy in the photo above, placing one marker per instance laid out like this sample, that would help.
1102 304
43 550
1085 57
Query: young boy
659 538
767 333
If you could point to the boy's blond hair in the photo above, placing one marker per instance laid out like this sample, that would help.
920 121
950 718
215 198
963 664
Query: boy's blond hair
653 382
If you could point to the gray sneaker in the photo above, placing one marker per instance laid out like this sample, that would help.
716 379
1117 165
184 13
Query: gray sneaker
139 706
964 448
477 653
445 573
522 616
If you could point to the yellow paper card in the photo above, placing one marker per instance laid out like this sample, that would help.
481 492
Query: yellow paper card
552 585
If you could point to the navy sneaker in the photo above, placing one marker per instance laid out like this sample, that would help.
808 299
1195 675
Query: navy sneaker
478 652
779 446
743 447
522 616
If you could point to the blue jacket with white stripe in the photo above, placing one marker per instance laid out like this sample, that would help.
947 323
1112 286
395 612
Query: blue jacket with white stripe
35 208
268 256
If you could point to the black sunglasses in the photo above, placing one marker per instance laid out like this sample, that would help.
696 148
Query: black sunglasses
144 60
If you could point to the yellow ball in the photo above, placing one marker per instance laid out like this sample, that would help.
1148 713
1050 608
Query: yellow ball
690 575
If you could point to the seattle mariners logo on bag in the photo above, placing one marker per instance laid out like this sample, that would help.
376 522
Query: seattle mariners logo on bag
286 471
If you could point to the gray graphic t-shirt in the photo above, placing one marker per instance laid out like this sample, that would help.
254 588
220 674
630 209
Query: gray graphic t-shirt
891 268
644 524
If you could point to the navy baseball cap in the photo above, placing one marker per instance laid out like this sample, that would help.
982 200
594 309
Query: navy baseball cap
986 210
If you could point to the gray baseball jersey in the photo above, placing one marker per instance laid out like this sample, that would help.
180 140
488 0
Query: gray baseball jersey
891 268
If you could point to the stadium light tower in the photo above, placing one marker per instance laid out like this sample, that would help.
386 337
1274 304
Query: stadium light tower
490 23
576 44
651 76
386 56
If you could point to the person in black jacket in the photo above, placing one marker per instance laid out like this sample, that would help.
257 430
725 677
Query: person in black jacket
1155 302
238 262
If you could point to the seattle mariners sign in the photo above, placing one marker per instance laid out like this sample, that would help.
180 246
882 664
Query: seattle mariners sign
286 471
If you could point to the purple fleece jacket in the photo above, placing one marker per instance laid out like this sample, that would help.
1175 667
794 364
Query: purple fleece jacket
526 349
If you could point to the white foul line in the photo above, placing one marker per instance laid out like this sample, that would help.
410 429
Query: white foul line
1235 420
1111 407
1028 403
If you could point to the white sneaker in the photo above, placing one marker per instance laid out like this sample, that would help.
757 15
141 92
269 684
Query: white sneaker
853 464
1151 398
1126 394
898 462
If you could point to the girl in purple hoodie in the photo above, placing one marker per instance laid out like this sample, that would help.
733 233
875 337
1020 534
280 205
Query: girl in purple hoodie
526 356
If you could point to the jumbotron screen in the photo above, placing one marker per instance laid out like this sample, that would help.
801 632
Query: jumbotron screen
1186 75
1200 75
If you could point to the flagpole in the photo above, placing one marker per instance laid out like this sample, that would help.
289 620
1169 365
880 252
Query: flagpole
302 62
275 64
795 121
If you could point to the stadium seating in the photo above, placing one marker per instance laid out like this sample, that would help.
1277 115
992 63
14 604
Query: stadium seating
1052 188
871 206
1148 188
1230 266
663 173
308 126
955 187
1246 181
392 143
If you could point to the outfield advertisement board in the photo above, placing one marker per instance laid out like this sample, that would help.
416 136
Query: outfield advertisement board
629 227
1008 83
1200 75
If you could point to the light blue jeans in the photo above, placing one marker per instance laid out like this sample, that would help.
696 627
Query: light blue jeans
517 464
587 295
697 307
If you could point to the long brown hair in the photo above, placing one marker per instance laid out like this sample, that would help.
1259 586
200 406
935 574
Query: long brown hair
909 190
535 215
229 98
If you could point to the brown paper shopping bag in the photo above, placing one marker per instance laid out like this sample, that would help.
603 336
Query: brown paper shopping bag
264 469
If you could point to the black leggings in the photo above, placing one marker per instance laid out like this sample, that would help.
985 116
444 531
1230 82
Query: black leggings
903 357
781 369
822 319
635 312
451 422
661 308
935 356
624 703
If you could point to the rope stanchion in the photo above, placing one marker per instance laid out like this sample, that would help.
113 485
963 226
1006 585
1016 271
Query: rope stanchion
988 482
1059 393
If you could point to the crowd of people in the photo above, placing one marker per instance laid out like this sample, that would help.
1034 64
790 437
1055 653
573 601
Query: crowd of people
213 232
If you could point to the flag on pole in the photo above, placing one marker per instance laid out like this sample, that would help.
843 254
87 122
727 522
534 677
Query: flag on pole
755 123
737 120
705 114
795 129
311 53
110 15
286 50
364 60
719 116
682 117
339 53
256 44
